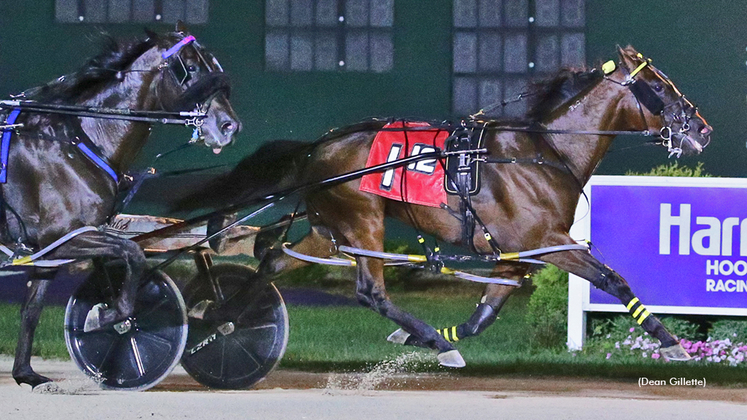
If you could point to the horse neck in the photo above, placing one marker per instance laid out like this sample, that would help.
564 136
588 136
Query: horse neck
606 107
120 140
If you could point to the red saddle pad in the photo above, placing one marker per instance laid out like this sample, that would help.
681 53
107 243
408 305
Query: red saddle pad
420 182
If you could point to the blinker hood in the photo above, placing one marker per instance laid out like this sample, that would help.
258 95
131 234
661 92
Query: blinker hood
202 90
646 96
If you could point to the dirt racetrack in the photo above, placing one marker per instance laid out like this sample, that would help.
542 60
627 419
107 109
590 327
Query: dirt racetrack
299 395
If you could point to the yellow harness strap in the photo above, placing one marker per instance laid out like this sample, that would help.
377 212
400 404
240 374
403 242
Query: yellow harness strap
646 62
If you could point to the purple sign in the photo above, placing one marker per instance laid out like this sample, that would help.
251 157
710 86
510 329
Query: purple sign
675 245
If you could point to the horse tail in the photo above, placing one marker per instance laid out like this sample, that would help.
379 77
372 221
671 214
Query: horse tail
275 166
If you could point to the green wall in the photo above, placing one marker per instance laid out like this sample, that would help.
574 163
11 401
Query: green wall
700 45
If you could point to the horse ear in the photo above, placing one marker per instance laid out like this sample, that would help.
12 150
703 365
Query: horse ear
628 56
620 51
151 35
181 27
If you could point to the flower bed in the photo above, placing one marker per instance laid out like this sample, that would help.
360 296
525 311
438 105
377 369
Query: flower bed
711 350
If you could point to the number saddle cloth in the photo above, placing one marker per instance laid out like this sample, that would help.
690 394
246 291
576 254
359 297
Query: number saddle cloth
425 182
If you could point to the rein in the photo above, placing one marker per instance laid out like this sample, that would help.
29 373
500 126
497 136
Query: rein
188 118
530 129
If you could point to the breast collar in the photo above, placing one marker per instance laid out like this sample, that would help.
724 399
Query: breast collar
81 142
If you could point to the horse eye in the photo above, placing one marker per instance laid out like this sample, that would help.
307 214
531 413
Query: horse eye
192 68
658 87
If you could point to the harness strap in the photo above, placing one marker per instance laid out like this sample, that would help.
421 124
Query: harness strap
539 160
92 152
31 259
178 46
5 145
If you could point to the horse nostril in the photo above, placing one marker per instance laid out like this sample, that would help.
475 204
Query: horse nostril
227 128
706 130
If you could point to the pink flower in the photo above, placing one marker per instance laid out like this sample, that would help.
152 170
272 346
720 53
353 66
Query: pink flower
632 329
609 355
655 356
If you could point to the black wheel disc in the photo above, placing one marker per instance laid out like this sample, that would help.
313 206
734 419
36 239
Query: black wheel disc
238 353
134 354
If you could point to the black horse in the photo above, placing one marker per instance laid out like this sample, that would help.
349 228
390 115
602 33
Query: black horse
65 167
532 179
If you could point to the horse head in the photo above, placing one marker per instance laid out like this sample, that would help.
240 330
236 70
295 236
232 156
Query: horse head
682 128
193 79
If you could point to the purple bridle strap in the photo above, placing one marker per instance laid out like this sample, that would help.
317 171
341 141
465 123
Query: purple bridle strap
179 45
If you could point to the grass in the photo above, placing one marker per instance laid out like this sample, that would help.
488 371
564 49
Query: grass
49 341
351 338
344 338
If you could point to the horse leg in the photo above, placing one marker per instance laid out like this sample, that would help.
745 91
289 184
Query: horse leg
30 313
584 265
485 313
318 243
100 245
371 293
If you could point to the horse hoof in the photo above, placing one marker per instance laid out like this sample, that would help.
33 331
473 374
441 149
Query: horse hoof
198 311
451 358
398 337
674 353
47 388
98 317
33 379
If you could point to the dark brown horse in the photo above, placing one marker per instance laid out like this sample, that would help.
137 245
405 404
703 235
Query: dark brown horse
524 204
63 171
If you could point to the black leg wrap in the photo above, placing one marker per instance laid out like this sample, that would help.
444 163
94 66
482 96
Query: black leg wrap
611 282
608 280
482 318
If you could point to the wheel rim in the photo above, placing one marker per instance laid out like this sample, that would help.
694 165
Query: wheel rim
137 353
256 342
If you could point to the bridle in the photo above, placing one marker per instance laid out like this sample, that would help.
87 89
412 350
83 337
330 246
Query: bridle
200 93
171 59
645 96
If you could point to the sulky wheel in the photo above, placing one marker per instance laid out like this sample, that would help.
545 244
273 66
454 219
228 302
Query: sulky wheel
134 354
248 339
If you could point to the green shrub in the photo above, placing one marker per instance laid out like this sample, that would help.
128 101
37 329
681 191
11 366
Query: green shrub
734 330
618 328
674 169
681 328
547 310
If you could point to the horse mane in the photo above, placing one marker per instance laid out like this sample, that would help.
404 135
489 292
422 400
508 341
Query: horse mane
549 94
372 124
116 55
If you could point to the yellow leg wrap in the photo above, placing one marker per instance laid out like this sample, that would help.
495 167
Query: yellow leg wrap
632 302
643 317
638 311
449 337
